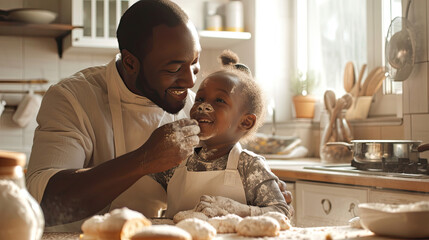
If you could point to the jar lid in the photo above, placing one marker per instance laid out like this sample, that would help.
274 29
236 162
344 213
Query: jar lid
10 159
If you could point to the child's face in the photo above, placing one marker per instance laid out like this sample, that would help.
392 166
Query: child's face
218 109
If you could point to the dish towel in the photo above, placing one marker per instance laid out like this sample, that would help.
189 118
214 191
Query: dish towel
2 105
27 109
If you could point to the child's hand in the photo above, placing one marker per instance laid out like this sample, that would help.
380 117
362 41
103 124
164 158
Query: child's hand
213 206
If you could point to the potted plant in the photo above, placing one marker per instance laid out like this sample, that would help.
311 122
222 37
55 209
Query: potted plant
302 85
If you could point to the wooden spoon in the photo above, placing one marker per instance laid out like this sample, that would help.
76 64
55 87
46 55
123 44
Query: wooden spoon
374 72
330 101
375 83
357 87
349 76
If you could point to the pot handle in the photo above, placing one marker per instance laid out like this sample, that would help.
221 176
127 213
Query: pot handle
348 145
423 147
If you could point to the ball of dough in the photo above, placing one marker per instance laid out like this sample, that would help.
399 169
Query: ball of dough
225 224
189 214
161 232
260 226
199 229
118 224
355 223
282 219
91 227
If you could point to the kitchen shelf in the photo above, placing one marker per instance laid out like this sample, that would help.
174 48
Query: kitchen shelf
56 31
222 39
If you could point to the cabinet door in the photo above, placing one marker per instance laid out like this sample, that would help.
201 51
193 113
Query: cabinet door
327 204
396 197
99 19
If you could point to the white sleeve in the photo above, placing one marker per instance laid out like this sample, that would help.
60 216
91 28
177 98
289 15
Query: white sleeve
61 140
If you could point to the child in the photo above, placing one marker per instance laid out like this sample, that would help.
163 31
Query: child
220 177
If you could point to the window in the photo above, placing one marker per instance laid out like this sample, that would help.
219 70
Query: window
332 32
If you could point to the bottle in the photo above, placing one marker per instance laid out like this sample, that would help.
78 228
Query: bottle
234 16
21 217
214 23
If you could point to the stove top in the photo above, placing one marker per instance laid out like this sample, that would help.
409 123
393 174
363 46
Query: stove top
347 168
398 165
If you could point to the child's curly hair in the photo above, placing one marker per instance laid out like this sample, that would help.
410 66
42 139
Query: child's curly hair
252 92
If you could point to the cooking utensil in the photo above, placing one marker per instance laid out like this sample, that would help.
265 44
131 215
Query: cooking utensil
330 103
349 76
375 83
370 151
404 220
342 122
374 72
356 88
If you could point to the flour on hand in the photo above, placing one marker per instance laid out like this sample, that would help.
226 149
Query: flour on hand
184 137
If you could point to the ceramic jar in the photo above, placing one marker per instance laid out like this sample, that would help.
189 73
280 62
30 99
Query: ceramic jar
21 217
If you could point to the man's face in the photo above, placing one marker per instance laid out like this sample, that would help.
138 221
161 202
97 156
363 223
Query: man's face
170 67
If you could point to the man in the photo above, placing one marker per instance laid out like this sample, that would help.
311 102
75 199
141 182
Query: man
102 130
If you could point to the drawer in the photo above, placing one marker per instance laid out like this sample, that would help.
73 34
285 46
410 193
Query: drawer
327 204
396 197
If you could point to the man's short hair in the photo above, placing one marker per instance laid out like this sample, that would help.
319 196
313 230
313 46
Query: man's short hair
136 25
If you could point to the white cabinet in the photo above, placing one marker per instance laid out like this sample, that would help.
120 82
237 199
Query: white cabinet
97 19
396 197
320 204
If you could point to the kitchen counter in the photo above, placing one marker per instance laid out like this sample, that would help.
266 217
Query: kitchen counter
293 170
338 232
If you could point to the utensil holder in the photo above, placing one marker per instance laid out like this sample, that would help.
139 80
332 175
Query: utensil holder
359 108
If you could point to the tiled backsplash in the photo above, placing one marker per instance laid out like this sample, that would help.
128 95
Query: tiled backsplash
34 58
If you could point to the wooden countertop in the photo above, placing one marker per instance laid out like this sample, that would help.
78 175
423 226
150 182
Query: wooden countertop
295 170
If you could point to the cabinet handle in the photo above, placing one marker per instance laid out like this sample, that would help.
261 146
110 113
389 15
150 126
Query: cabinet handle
326 206
352 209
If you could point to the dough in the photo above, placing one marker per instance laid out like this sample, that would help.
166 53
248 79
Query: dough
199 229
91 227
189 214
260 226
283 221
355 222
161 232
225 224
118 224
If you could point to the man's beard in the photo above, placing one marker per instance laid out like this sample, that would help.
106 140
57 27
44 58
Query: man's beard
143 86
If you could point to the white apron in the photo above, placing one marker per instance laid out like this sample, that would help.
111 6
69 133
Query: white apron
185 187
146 195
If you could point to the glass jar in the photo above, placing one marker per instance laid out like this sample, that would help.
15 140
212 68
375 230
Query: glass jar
21 217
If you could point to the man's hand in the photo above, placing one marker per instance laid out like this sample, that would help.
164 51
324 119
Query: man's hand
213 206
170 144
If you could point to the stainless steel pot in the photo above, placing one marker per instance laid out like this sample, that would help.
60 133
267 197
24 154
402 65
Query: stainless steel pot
365 151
